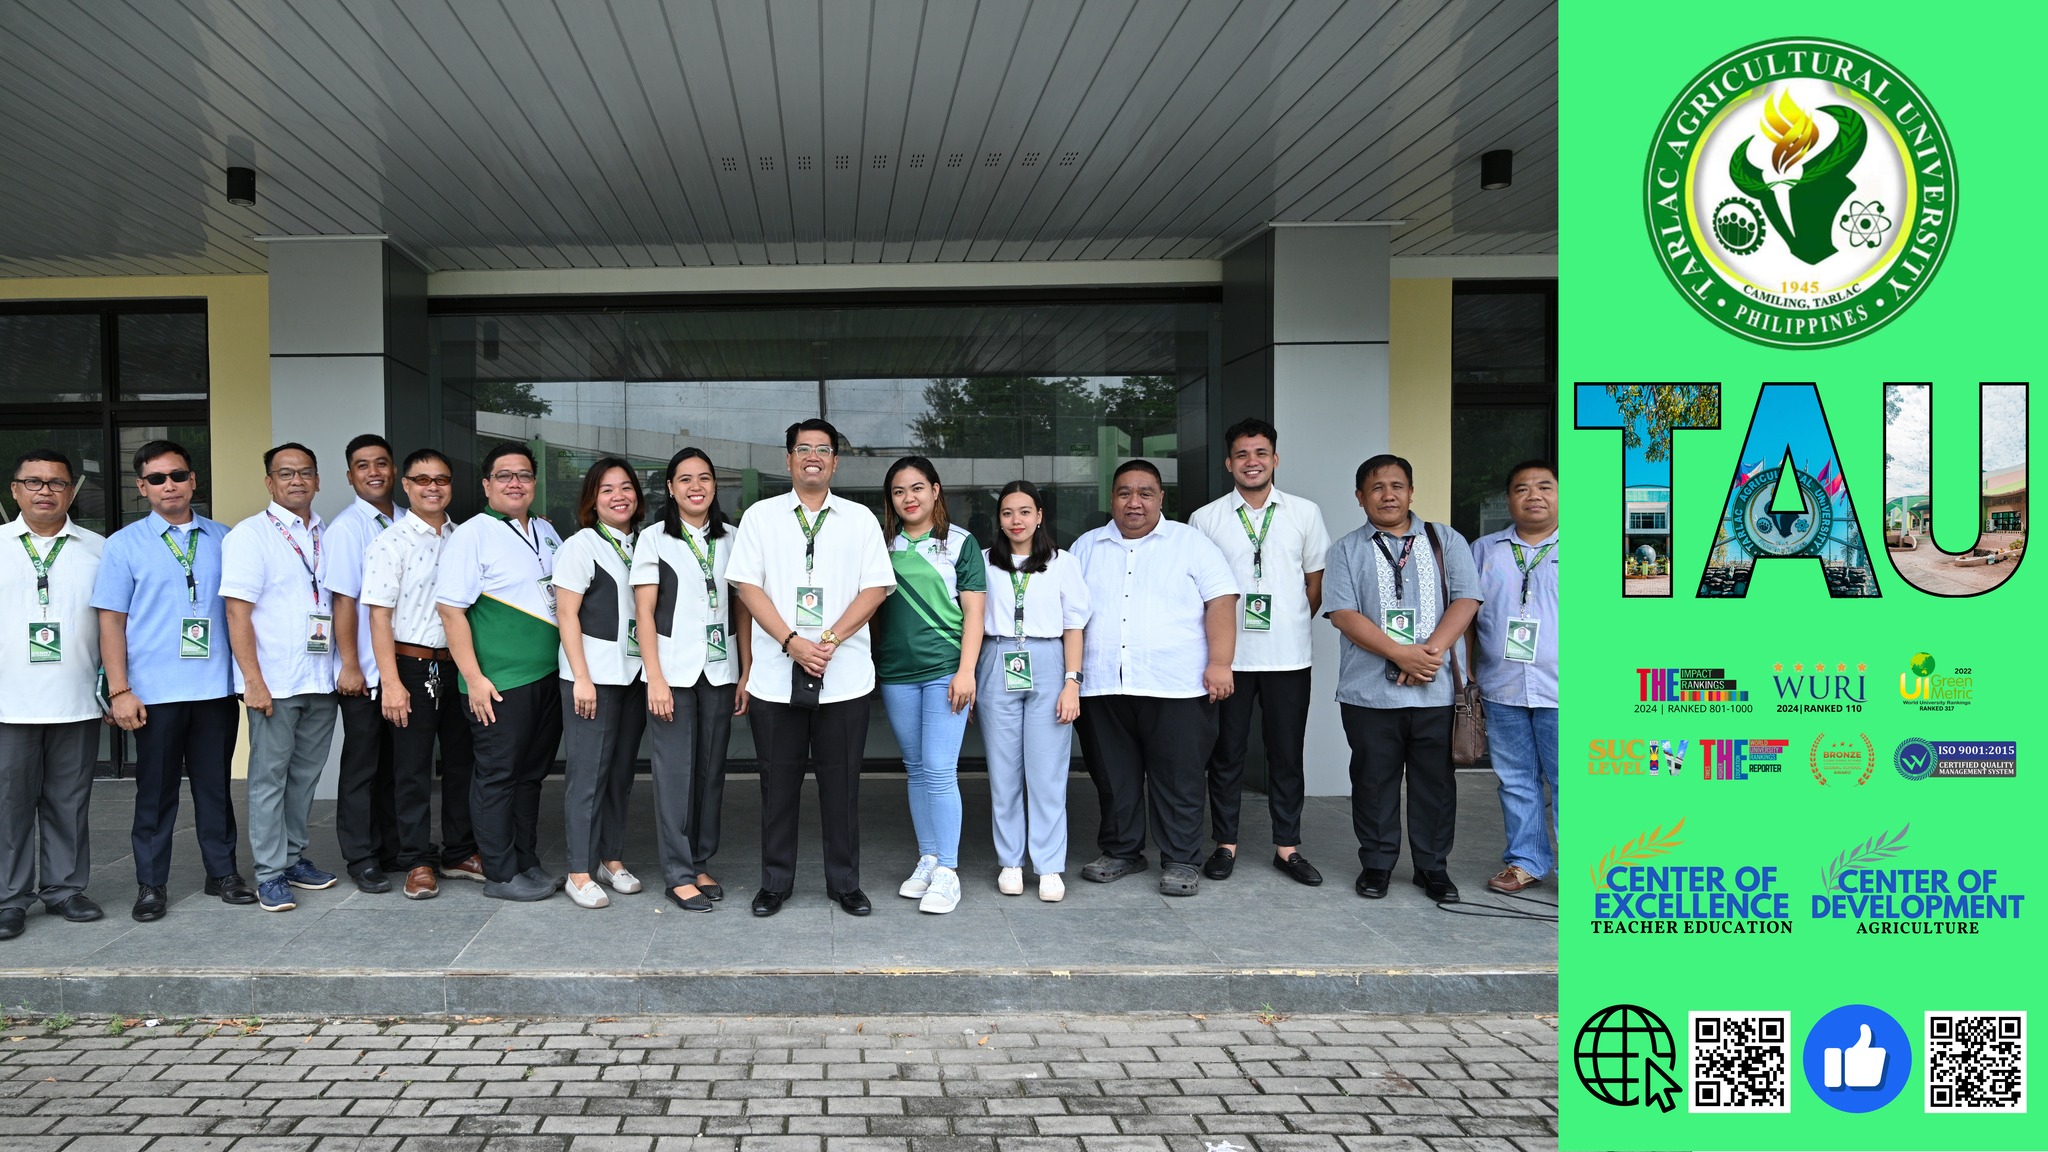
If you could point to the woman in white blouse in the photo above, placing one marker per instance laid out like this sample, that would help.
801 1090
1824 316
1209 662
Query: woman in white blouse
696 672
604 701
1030 690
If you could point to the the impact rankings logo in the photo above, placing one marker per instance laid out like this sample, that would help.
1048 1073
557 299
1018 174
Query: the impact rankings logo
1858 946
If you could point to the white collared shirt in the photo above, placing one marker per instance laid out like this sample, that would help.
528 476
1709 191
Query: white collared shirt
590 567
1146 633
59 691
1054 600
347 541
851 557
398 573
682 607
1295 545
258 565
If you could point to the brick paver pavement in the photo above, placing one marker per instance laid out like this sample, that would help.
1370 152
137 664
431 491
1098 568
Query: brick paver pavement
1131 1083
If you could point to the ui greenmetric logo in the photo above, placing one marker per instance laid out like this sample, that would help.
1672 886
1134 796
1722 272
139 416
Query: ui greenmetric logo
1800 193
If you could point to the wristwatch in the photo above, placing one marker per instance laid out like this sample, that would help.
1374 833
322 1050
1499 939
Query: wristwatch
1074 676
828 637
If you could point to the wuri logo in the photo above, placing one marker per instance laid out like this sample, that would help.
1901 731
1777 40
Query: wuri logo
1920 688
1834 688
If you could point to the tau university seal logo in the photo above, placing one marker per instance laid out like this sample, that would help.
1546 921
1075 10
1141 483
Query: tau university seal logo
1800 193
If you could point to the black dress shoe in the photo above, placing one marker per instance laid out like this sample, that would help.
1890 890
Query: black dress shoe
150 903
855 902
768 903
78 908
371 880
12 921
1372 883
1299 869
1438 885
697 903
231 889
1222 862
712 890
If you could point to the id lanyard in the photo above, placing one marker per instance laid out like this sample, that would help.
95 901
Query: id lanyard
185 560
312 567
42 565
1019 581
1407 546
533 542
810 532
1258 540
709 563
625 553
1529 568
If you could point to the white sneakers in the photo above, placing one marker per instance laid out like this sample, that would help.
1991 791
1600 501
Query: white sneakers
920 880
1051 888
588 895
942 895
1010 882
622 881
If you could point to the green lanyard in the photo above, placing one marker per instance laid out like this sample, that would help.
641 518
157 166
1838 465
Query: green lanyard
1529 567
42 565
382 523
625 557
708 563
1258 540
810 532
1019 581
185 560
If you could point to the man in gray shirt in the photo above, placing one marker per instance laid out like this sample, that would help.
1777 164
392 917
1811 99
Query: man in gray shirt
1400 591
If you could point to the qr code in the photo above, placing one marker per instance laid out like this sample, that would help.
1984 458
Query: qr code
1976 1062
1740 1062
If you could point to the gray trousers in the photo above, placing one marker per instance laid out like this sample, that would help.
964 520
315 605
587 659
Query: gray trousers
688 755
598 778
287 752
45 786
1030 755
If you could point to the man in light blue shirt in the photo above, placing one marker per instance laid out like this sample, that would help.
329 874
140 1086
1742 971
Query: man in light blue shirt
164 644
1516 654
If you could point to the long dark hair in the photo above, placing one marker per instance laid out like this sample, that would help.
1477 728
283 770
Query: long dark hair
672 516
586 504
942 525
1042 544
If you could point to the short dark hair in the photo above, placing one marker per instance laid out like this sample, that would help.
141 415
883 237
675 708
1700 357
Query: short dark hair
289 446
46 456
366 440
1249 426
586 503
1137 465
1383 460
503 449
421 457
814 424
156 448
1524 466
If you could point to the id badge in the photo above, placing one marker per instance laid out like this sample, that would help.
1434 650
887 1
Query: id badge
45 642
1521 640
714 643
1016 671
1258 612
547 594
632 637
319 633
1399 625
810 607
195 638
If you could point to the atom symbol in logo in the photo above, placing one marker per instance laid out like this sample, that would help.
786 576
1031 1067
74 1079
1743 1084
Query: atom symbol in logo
1865 224
1739 225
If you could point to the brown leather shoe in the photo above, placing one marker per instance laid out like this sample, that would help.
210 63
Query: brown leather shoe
471 868
420 884
1512 879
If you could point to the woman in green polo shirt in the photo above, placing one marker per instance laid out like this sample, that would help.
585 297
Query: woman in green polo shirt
926 643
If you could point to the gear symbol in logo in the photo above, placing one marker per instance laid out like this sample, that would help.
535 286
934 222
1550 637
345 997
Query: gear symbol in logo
1739 226
1865 224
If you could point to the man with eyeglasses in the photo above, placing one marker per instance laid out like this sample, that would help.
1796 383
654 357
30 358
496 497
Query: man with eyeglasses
811 568
418 689
495 591
49 716
164 643
364 825
281 622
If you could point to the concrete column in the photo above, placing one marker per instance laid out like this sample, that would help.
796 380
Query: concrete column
1306 336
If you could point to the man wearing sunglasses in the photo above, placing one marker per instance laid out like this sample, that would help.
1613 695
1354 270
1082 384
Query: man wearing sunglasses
164 643
49 719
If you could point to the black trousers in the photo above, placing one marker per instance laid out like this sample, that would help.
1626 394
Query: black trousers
365 822
687 758
1283 714
513 755
832 738
193 740
1144 753
446 720
1384 743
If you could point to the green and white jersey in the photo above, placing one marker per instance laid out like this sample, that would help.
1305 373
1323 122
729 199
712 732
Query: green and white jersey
504 576
918 637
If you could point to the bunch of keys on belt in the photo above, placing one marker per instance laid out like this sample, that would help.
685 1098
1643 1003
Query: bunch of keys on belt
434 680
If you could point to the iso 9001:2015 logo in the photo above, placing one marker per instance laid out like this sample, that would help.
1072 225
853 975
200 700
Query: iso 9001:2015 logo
1800 193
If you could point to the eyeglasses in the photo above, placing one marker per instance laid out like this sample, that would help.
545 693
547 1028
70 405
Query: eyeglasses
431 481
290 474
38 484
174 476
512 477
814 450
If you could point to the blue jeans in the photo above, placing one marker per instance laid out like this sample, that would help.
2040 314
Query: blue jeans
1523 745
930 733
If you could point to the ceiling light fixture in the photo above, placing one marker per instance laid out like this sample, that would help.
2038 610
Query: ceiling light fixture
1496 169
242 187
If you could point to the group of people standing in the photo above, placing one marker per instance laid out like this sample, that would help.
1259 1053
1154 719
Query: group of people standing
481 648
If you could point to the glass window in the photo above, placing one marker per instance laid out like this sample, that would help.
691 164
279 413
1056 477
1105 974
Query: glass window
1501 338
1503 393
163 355
194 438
50 358
87 449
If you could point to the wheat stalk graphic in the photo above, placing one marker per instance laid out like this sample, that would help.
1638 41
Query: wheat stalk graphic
1882 846
1655 842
